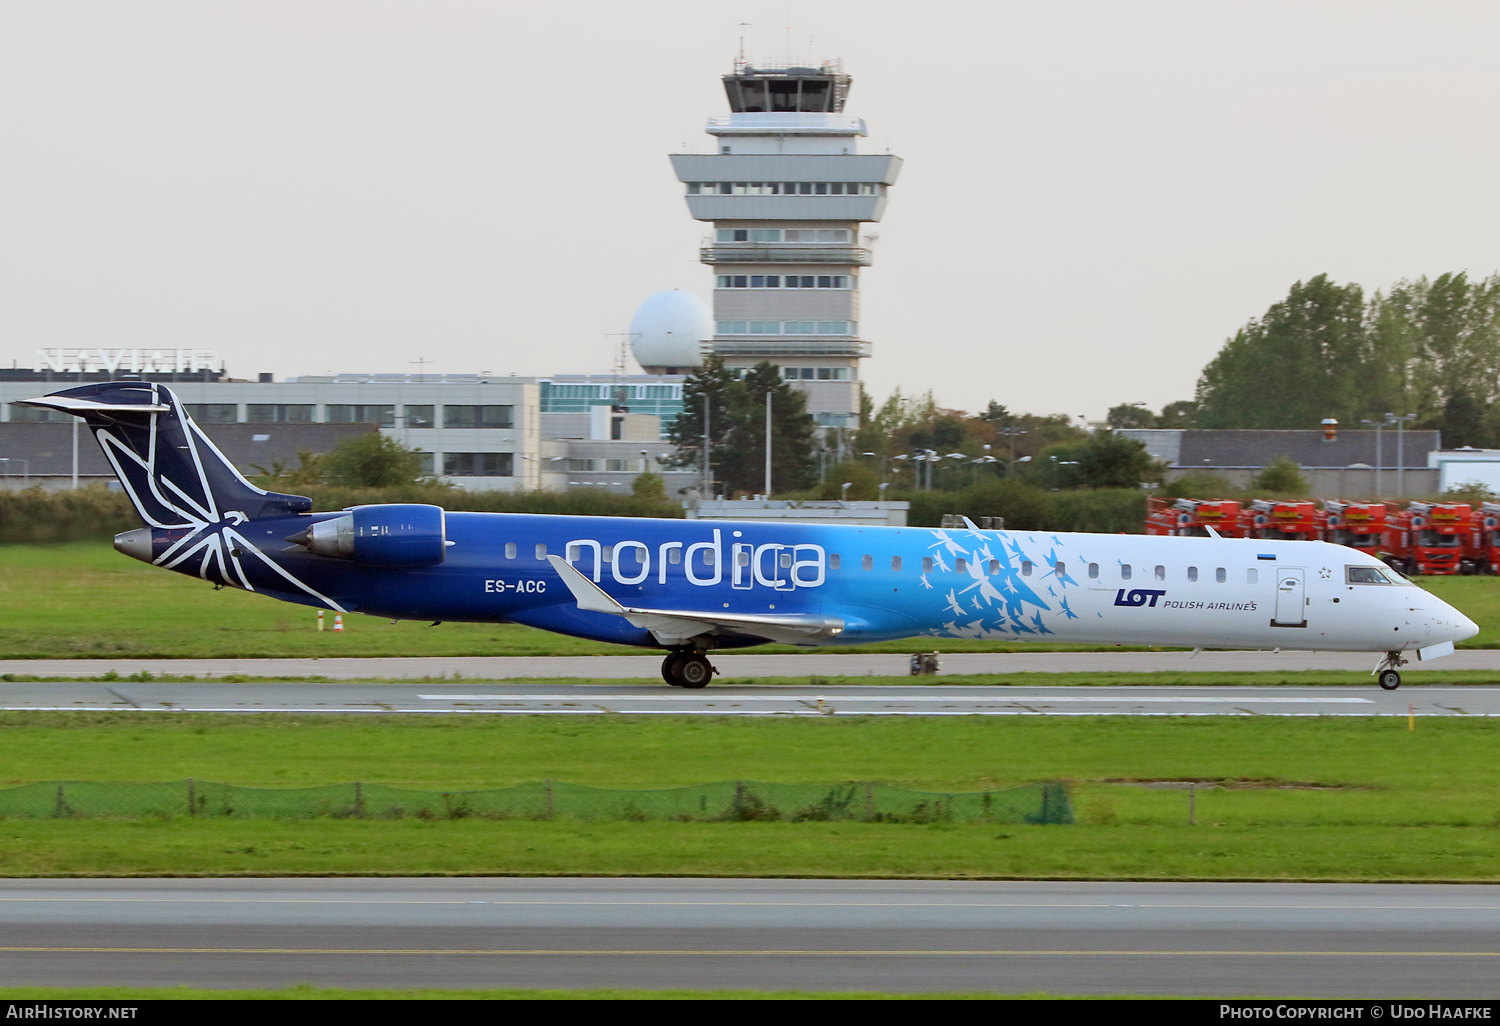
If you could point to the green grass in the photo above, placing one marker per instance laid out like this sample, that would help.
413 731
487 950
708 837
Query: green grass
84 600
1297 799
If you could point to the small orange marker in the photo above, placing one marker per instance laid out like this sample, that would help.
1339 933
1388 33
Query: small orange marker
338 621
1411 719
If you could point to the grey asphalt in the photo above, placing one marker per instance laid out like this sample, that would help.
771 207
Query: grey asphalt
741 666
736 699
900 936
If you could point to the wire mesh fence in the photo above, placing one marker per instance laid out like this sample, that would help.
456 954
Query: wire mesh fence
723 801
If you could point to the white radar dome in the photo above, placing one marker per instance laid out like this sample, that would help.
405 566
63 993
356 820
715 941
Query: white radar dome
666 331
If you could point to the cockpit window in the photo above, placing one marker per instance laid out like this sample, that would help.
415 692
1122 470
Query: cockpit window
1374 575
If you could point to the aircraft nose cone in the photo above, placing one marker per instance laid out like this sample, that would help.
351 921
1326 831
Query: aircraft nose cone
1464 628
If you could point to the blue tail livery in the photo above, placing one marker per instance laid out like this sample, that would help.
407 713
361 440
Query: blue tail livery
690 587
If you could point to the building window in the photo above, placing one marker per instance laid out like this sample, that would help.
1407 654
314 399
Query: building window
477 464
279 413
581 466
787 328
781 188
425 463
804 236
338 413
212 413
477 416
418 416
789 281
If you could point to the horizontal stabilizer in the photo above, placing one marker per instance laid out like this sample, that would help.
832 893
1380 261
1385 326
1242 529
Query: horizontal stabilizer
83 407
679 626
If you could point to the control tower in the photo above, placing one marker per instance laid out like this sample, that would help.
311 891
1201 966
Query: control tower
787 191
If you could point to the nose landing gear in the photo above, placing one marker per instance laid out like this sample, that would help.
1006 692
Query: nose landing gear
1387 672
687 670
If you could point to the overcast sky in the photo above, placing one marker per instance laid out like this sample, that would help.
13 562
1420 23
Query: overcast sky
1095 193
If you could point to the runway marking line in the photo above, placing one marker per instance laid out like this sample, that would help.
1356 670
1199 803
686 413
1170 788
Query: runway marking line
739 953
1103 697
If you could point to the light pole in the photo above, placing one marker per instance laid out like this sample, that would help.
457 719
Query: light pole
1379 462
768 444
1400 422
1010 467
844 491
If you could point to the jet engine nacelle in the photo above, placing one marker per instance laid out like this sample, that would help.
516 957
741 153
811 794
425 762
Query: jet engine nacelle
399 534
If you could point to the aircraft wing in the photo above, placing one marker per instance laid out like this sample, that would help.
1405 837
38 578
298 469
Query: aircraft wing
678 626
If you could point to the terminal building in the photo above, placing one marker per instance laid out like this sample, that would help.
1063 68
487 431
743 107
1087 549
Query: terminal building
481 433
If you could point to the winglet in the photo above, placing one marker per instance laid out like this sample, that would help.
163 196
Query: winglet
589 596
1211 532
969 524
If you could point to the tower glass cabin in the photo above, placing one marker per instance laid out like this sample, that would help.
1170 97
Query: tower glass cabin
786 192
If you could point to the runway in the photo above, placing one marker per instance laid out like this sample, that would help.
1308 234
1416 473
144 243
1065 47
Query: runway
735 699
745 666
897 936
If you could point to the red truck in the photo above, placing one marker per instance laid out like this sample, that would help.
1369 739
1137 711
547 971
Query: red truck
1291 520
1433 538
1359 525
1191 518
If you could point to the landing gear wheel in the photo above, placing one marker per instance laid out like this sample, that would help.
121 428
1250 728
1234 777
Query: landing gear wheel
693 671
1389 679
669 668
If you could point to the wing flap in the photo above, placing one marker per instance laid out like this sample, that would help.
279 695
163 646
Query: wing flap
677 626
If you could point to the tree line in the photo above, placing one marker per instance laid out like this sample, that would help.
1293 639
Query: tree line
1423 347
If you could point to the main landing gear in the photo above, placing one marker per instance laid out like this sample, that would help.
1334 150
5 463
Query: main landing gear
1387 672
687 670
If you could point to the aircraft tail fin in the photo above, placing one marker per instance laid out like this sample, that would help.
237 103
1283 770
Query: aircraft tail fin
174 475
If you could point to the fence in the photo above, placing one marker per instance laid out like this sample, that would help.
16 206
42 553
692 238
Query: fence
729 800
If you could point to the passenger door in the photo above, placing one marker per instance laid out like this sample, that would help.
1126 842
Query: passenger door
1291 598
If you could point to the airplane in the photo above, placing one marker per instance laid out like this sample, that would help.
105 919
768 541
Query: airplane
691 587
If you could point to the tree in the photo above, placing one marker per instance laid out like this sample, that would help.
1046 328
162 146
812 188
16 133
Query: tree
1181 414
1104 460
649 485
370 460
1308 357
737 428
1282 476
1130 415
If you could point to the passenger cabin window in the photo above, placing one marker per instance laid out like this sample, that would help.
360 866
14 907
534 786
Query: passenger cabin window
1025 568
674 554
1221 575
1124 571
786 559
541 550
961 564
896 563
1252 576
510 550
708 557
1094 571
994 566
742 558
1060 568
1161 573
1192 573
867 563
609 553
926 564
833 561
